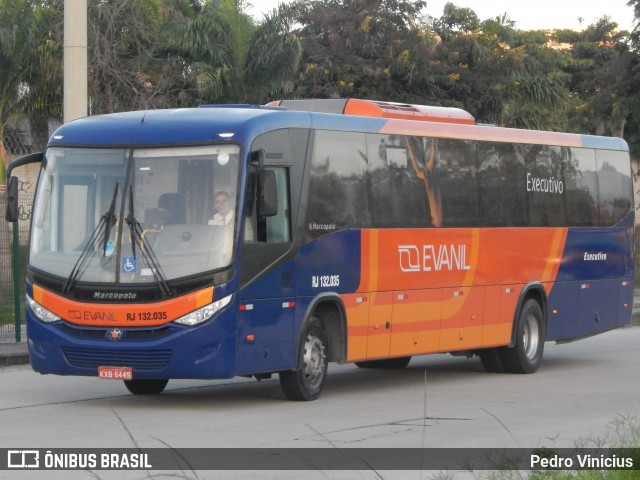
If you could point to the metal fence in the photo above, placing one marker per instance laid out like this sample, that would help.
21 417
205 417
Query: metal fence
22 135
13 252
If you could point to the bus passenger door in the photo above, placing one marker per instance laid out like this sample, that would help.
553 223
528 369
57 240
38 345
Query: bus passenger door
266 318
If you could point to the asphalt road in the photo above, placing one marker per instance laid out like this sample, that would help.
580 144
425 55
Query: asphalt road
584 393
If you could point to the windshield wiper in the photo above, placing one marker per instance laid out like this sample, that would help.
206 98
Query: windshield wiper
105 225
110 220
148 255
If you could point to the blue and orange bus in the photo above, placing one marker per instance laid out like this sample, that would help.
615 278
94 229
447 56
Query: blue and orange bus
228 241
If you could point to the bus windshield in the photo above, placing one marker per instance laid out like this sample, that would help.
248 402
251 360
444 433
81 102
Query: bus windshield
135 216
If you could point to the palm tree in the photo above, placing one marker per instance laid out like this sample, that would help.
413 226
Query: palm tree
233 58
505 77
21 43
44 97
635 4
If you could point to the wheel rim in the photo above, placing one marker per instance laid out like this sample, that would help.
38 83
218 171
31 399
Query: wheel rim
314 360
531 336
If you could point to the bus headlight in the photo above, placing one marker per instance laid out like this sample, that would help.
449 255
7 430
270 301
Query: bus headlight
204 313
41 312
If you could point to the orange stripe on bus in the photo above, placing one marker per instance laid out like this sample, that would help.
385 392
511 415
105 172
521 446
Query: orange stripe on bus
127 314
433 290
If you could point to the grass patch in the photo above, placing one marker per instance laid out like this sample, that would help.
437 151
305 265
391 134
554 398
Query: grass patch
622 438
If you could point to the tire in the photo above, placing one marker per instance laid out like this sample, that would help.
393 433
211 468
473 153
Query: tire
525 356
391 363
492 360
306 383
146 387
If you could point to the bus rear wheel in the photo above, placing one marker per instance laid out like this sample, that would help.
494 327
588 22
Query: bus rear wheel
306 383
492 359
145 386
526 355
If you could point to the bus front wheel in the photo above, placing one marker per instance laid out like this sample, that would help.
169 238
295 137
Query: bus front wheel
306 383
525 356
146 387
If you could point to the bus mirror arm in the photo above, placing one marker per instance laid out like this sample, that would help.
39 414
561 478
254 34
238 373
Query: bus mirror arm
11 214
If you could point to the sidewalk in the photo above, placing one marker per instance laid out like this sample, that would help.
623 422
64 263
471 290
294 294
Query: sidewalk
13 354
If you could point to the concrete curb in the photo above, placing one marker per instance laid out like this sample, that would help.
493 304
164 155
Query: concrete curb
13 354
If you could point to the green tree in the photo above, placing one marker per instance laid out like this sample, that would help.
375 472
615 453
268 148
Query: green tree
43 99
502 75
456 19
602 69
635 34
21 42
232 58
128 64
632 130
367 49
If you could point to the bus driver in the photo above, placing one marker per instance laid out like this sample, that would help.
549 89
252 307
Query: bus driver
224 215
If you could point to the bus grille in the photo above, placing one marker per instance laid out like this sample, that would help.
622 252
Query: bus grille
95 357
129 333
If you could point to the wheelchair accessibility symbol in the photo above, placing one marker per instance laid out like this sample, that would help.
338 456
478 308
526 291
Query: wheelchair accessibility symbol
128 265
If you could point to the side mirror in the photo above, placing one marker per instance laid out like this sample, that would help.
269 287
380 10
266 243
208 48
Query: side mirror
268 194
11 214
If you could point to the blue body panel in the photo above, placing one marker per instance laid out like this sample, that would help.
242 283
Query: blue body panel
594 282
205 351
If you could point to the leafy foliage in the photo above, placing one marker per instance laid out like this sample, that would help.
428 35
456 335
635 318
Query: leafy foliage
231 58
26 49
161 53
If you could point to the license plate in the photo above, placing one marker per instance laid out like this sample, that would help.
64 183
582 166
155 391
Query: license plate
115 373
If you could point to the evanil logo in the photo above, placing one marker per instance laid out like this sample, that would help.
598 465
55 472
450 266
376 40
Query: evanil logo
427 258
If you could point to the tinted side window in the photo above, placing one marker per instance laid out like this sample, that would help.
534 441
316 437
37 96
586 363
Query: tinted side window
338 183
545 184
581 188
615 185
457 168
501 177
404 182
